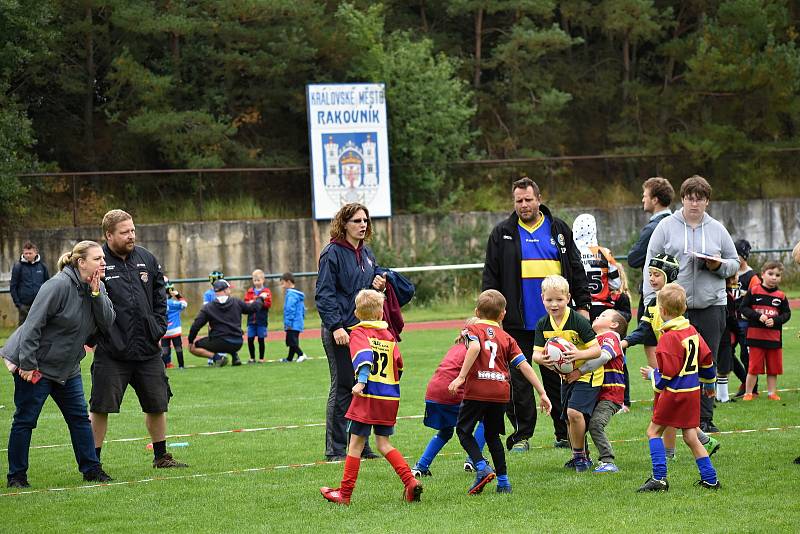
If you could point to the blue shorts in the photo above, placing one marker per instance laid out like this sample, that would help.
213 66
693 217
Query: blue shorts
440 416
580 396
256 331
364 429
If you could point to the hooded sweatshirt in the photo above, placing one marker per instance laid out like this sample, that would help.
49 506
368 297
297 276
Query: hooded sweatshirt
703 287
601 267
26 279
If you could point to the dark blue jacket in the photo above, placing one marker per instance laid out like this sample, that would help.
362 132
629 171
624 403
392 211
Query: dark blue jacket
342 274
638 252
26 279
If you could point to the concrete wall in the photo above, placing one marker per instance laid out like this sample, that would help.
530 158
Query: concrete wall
189 250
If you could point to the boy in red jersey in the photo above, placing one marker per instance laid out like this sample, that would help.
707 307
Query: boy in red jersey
766 309
684 361
376 398
485 376
441 408
610 326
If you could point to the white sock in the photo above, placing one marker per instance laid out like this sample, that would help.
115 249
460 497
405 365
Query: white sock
722 389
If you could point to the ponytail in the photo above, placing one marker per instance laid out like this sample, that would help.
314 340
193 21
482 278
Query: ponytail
79 251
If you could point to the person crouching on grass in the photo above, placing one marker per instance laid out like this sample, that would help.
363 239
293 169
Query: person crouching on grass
684 361
376 398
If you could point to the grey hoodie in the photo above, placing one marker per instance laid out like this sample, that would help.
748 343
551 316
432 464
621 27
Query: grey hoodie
703 287
62 318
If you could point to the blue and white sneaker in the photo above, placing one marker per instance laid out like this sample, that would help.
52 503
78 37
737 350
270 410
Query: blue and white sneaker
469 467
606 467
482 478
582 465
420 472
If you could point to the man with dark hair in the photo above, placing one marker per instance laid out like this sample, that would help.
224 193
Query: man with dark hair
130 353
27 276
521 251
657 196
707 257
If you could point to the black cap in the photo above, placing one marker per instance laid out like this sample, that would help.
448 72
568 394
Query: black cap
666 264
743 248
221 285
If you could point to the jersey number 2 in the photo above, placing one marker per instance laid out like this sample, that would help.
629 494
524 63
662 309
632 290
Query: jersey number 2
691 357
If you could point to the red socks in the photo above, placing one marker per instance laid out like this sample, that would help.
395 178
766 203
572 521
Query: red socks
400 467
351 466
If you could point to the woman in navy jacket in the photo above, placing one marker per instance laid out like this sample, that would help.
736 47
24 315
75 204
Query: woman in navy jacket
346 266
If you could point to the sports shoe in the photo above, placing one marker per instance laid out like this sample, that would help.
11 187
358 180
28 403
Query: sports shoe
413 491
521 446
335 458
773 396
170 365
236 361
285 360
482 478
251 362
652 484
606 467
708 485
18 482
210 362
582 465
420 472
261 360
561 444
167 461
220 360
712 446
503 489
302 358
747 397
334 495
369 455
624 409
570 464
98 475
708 426
469 467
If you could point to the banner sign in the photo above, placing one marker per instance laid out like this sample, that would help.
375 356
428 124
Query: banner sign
347 127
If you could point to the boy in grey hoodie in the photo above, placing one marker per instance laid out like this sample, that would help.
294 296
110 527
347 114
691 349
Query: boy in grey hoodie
707 257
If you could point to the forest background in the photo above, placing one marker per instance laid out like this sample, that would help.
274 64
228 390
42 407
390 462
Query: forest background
476 92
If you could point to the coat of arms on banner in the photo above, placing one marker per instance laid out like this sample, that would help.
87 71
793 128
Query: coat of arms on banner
351 166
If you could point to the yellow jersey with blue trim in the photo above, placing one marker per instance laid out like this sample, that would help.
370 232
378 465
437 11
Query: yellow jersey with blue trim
576 329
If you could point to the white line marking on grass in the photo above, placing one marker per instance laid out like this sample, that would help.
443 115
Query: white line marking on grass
303 465
268 428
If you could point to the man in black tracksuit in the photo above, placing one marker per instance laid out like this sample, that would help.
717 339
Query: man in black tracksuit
503 272
27 276
131 351
224 318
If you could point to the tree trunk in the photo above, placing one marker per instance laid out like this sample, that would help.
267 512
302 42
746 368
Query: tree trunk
88 102
423 16
626 65
476 80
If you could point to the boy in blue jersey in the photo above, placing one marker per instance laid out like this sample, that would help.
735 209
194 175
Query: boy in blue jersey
294 315
173 336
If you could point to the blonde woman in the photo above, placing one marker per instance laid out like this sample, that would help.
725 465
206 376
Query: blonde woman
45 354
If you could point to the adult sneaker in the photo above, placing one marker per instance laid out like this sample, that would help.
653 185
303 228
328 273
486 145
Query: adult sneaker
420 472
469 467
334 495
606 467
521 446
413 491
582 465
708 485
570 464
482 478
653 484
18 482
302 358
561 444
711 446
708 426
167 461
220 360
236 361
97 475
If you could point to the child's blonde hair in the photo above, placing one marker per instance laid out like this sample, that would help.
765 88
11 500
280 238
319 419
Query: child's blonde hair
623 282
258 272
672 300
369 305
491 305
555 282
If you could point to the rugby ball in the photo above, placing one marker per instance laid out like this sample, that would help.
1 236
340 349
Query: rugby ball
554 350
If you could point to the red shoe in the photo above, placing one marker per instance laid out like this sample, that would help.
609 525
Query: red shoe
334 495
773 396
412 492
170 365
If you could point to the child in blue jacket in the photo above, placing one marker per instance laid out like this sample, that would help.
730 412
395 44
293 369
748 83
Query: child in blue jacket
294 314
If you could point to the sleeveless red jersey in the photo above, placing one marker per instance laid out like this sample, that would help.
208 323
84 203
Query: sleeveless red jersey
488 379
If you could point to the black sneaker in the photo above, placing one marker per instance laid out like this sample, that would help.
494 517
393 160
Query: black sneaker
652 484
236 361
708 485
167 461
98 475
18 482
369 455
708 426
797 460
561 444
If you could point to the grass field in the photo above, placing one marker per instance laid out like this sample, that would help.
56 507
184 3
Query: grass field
267 479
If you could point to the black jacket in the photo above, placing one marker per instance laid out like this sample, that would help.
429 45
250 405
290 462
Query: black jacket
502 268
638 252
224 319
136 288
26 279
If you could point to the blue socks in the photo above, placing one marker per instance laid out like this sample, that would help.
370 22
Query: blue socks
502 481
658 456
434 446
707 471
479 437
480 465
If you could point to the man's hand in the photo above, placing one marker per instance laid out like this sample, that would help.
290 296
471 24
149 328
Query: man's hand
341 337
713 265
572 376
358 388
455 384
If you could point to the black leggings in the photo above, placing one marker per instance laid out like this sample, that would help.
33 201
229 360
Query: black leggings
166 350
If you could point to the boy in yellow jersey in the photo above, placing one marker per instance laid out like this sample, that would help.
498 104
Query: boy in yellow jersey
579 391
